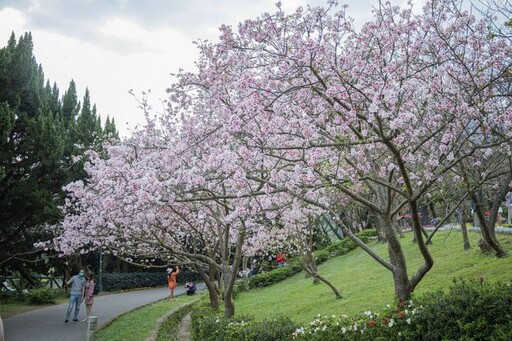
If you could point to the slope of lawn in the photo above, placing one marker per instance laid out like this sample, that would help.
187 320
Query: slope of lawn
366 285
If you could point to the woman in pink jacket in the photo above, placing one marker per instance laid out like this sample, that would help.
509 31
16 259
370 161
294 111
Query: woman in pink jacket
89 296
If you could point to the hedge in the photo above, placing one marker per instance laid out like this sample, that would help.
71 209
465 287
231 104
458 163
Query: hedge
132 280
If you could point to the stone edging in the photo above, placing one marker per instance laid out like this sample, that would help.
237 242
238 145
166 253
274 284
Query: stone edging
161 320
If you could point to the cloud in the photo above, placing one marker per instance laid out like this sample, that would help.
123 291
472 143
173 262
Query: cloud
112 46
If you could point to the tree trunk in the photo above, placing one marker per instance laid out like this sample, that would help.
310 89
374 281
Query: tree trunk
209 281
229 306
397 258
230 272
432 207
245 274
487 228
379 228
309 265
463 227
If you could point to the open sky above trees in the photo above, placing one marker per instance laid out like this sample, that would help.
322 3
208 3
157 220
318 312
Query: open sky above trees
117 45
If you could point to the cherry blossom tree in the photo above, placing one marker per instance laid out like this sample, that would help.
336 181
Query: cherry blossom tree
335 115
294 116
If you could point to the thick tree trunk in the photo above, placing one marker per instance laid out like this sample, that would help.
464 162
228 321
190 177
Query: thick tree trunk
229 306
230 271
397 258
487 228
209 281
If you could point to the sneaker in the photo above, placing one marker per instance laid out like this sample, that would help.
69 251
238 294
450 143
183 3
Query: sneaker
66 322
75 320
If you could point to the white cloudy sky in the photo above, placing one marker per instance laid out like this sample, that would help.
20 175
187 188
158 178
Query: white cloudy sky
112 46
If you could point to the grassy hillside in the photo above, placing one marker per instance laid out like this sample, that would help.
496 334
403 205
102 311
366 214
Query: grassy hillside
366 285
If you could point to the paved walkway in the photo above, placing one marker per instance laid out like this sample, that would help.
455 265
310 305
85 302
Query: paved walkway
47 324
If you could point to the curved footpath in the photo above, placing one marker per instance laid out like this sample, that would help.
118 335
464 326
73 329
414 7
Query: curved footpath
47 324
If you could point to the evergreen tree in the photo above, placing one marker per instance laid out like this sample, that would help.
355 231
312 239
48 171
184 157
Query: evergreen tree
70 105
110 130
38 137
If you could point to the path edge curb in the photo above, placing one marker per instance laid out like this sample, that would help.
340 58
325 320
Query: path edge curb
158 324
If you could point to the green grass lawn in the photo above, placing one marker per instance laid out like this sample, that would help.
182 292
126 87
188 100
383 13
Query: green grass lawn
138 324
366 285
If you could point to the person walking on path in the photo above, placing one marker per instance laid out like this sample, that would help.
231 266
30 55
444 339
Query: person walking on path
76 295
89 296
172 281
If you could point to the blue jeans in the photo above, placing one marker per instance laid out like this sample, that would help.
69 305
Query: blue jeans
76 300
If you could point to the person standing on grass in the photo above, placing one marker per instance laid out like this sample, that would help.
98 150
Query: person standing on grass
89 296
172 281
76 295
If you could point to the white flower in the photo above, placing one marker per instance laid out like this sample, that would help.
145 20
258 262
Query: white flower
408 320
299 330
343 330
391 323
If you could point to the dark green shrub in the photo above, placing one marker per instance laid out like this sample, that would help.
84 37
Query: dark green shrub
347 244
321 256
268 278
42 296
238 288
341 247
294 263
208 325
279 329
367 233
12 296
467 311
124 281
133 280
